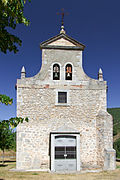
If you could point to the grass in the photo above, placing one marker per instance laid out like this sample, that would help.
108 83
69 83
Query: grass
118 166
5 174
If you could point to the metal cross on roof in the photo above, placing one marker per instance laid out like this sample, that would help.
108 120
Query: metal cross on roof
63 13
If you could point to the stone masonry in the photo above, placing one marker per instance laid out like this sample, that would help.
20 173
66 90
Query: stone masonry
85 110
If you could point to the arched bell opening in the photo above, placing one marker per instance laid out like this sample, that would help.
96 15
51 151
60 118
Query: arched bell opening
68 72
56 72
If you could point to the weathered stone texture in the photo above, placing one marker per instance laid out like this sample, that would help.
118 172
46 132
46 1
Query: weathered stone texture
85 112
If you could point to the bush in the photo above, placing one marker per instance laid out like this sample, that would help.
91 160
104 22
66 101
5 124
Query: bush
117 148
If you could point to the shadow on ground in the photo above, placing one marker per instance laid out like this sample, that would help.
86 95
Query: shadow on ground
7 161
3 165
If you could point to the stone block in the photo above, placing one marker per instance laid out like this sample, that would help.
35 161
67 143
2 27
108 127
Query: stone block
110 159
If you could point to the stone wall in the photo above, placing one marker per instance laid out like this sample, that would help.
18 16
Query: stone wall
36 99
44 116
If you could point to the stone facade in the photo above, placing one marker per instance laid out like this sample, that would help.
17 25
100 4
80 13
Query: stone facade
85 111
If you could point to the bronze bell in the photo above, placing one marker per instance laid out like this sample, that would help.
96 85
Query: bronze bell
68 74
56 74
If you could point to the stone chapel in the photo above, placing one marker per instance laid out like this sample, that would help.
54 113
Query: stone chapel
69 128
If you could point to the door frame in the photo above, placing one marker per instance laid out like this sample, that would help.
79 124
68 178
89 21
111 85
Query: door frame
52 154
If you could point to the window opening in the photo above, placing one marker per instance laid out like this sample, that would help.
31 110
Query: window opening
62 97
68 72
56 72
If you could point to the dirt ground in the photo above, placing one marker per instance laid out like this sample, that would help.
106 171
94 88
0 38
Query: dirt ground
5 174
8 153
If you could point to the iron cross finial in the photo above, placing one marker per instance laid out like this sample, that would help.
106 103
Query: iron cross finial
62 13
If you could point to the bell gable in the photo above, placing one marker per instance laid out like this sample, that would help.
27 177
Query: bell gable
62 41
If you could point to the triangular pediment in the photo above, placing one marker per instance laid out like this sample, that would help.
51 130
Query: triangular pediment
62 41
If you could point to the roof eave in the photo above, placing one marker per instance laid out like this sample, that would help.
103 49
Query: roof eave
77 44
62 47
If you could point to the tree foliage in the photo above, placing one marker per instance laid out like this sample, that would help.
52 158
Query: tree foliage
7 138
11 14
7 135
117 148
115 112
5 99
13 122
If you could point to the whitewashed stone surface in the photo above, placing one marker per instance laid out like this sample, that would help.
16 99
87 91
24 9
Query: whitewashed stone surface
86 112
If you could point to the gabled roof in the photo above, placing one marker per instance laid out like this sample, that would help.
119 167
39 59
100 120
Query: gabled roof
62 41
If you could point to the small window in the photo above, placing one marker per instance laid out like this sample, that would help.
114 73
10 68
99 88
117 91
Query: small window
62 97
68 72
56 72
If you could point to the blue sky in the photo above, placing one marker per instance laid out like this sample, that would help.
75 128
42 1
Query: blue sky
95 23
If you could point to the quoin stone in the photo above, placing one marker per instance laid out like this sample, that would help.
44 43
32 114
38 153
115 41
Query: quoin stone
69 128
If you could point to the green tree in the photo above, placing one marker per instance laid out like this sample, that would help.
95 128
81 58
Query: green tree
11 14
117 147
13 146
5 99
7 135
